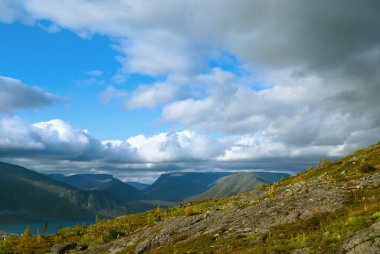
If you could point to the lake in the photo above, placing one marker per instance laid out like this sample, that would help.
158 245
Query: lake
38 227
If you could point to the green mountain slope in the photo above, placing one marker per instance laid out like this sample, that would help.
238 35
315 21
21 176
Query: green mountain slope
231 185
334 208
29 196
178 186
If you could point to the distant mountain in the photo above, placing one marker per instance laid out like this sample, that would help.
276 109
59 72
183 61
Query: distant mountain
86 181
231 185
271 177
179 186
139 186
26 195
102 182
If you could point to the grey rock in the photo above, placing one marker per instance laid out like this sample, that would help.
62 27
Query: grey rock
301 251
62 248
365 241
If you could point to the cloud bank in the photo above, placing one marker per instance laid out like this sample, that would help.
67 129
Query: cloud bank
302 80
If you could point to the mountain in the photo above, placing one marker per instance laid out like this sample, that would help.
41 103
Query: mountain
270 177
230 185
86 181
102 182
139 186
26 195
332 208
176 187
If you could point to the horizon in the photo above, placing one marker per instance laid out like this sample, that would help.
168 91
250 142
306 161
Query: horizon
136 89
129 179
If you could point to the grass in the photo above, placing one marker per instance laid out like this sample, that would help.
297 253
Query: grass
322 233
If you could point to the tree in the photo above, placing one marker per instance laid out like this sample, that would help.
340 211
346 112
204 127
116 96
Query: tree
26 233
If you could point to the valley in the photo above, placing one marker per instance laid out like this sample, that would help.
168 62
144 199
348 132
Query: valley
27 196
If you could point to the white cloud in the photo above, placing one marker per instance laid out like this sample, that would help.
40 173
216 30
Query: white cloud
15 135
56 145
58 140
15 95
294 110
174 146
153 96
57 131
156 53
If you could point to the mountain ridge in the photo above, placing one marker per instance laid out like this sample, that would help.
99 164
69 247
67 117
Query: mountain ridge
230 185
178 186
102 182
28 195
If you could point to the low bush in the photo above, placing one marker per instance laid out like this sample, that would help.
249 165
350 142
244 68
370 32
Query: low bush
367 168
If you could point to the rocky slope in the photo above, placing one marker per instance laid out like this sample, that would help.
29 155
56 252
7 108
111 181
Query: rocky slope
334 208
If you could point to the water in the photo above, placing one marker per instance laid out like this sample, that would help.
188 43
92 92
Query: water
38 227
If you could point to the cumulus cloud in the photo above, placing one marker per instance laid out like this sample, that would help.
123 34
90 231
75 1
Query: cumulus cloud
64 148
52 139
175 147
15 135
295 111
56 139
15 95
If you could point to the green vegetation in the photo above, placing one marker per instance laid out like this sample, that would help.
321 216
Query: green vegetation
232 184
322 232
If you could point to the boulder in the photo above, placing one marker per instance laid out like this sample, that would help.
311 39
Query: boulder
365 241
62 248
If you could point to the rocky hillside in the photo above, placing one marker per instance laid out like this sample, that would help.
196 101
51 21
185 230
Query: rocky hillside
334 208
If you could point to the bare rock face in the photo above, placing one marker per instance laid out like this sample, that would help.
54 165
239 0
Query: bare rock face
365 241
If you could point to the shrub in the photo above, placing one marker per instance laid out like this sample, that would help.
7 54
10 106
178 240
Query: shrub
367 168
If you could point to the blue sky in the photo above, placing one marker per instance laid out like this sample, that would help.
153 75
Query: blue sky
137 88
62 63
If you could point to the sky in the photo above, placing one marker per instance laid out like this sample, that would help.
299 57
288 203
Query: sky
136 88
